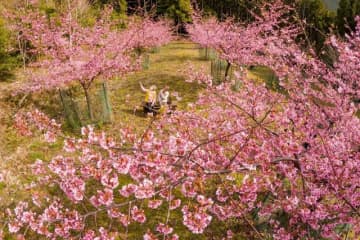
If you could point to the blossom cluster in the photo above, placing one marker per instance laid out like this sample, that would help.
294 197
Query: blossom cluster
78 53
39 120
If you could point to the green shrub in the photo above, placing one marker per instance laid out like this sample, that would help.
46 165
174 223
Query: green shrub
8 60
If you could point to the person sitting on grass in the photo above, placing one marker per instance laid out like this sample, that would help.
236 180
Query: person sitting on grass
163 99
150 98
164 96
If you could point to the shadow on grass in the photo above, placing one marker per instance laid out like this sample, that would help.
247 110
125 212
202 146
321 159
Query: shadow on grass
159 79
267 75
6 77
138 113
175 58
182 46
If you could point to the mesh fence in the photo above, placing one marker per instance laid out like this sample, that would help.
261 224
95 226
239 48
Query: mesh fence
237 85
218 71
155 50
145 56
207 54
76 108
146 61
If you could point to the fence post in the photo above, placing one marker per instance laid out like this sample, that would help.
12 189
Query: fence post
71 113
108 117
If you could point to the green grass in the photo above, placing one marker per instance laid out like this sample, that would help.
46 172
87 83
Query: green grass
164 70
265 74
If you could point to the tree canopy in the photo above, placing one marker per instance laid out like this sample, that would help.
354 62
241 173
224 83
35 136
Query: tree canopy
8 59
346 13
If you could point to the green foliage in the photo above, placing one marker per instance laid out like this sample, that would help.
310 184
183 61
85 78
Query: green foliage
346 13
120 6
179 10
263 73
358 113
239 9
319 20
7 60
50 8
2 185
87 11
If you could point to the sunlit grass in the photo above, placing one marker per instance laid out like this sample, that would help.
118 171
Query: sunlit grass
164 70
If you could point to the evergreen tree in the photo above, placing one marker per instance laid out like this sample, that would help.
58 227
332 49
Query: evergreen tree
347 11
239 9
120 6
318 21
356 8
7 61
179 10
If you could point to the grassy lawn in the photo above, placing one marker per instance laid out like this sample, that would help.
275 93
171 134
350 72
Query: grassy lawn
164 70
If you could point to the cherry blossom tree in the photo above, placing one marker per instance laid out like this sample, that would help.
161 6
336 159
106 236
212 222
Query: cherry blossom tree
347 67
204 32
233 41
317 104
285 164
150 33
71 52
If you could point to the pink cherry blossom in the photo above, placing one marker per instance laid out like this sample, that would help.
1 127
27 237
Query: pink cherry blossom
149 236
145 189
127 190
138 215
74 188
164 229
174 204
195 221
125 220
154 204
110 180
122 164
103 198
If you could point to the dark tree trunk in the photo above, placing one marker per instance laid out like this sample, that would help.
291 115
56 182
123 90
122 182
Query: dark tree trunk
227 70
88 103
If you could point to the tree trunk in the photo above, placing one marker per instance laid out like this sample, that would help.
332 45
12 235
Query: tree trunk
227 70
22 49
88 103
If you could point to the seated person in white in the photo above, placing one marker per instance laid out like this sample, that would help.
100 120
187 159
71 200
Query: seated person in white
163 97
